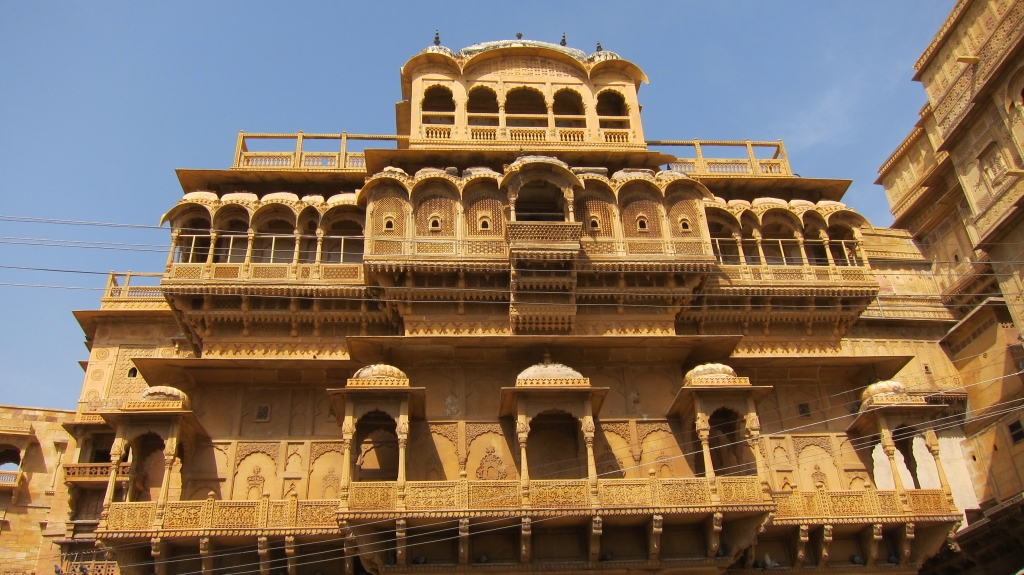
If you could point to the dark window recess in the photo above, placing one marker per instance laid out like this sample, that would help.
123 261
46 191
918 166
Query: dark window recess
1016 432
133 372
262 413
805 409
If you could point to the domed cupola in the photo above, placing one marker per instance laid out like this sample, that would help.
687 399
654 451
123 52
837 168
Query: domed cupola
601 55
437 48
550 373
549 383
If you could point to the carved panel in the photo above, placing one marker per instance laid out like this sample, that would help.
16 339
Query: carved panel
273 450
318 449
474 430
822 441
645 429
120 384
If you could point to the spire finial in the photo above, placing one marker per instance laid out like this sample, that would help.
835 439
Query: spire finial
562 43
519 35
599 48
437 38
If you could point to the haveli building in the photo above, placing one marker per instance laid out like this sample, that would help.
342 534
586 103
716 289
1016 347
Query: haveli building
955 184
522 339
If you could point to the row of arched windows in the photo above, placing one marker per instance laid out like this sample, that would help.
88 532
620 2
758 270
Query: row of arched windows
524 107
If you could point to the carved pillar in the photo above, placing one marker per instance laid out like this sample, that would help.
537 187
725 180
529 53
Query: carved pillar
400 545
753 426
932 441
588 438
525 546
523 433
116 452
512 209
828 251
904 542
158 550
351 550
501 124
249 239
213 247
206 555
654 530
320 247
704 433
263 550
570 207
168 464
289 553
403 440
803 250
170 254
464 541
760 248
594 543
551 122
739 248
889 447
348 429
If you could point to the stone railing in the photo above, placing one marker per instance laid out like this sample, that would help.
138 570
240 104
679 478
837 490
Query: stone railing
597 249
11 427
121 294
463 496
848 505
751 166
299 273
10 479
298 159
787 274
93 472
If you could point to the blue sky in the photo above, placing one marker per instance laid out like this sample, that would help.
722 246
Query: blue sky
99 102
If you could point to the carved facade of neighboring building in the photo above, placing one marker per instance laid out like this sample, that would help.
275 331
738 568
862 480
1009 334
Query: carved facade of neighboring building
520 339
956 184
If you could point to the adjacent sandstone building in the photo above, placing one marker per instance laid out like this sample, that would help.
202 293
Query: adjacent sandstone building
518 336
955 185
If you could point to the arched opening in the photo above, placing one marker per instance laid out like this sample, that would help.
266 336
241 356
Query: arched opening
10 458
438 106
814 247
612 110
730 455
723 243
525 108
482 107
308 221
540 202
568 109
193 245
377 451
147 472
780 246
343 243
843 246
553 447
232 236
903 437
275 239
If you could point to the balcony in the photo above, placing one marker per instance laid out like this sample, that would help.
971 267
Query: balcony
11 480
466 498
304 160
93 473
863 506
748 167
121 293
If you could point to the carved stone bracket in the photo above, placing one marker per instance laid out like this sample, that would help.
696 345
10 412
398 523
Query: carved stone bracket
712 533
525 547
823 538
654 530
463 541
869 539
596 528
800 540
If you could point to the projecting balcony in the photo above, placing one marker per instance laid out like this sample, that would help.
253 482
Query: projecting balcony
11 480
749 166
93 473
303 160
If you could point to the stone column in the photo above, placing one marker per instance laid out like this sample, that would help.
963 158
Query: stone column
298 246
320 247
803 250
760 248
523 433
739 248
250 238
551 122
403 440
206 555
502 134
588 438
116 452
828 252
932 441
174 246
704 433
213 248
889 447
348 430
858 247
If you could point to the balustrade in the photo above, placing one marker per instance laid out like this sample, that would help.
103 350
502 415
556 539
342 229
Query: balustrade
10 479
93 472
858 503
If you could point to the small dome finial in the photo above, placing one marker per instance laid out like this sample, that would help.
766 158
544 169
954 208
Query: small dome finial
437 38
599 48
547 358
519 35
562 43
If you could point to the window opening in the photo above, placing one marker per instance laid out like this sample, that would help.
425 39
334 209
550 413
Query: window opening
435 223
389 224
133 372
262 413
804 409
641 224
594 224
684 225
1016 432
485 224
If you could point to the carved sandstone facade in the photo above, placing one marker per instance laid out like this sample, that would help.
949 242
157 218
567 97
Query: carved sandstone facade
955 183
521 339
